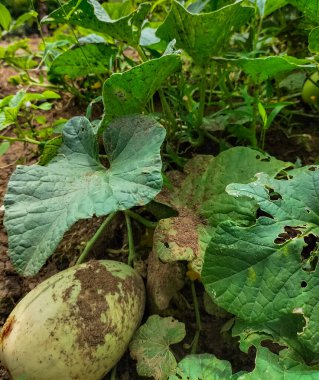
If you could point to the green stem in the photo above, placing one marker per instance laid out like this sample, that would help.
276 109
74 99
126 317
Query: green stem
141 219
254 121
113 373
197 317
95 237
25 139
167 110
202 96
131 248
141 53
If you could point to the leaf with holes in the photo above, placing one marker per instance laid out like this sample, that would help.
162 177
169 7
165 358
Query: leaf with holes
91 15
206 34
43 202
128 92
202 367
268 270
83 60
203 203
263 68
150 346
278 367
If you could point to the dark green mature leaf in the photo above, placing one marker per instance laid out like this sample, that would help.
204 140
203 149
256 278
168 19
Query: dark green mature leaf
127 93
203 35
263 68
43 202
150 346
83 60
91 15
268 270
202 367
204 188
269 366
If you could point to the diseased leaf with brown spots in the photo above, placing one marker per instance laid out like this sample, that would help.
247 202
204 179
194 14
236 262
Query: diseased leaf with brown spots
150 346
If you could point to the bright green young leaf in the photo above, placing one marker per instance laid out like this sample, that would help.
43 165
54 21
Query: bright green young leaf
127 93
313 40
202 367
150 346
43 202
260 69
91 15
206 34
21 20
203 203
83 60
268 270
5 17
269 366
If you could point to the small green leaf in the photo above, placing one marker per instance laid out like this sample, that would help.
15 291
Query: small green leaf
206 34
82 60
202 367
50 150
150 346
313 40
128 92
43 202
5 17
263 68
91 15
21 20
4 147
263 114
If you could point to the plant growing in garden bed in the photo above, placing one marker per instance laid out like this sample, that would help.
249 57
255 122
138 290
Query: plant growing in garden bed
241 222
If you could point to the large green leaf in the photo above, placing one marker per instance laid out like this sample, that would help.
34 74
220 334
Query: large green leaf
310 8
42 202
91 15
206 34
268 270
203 203
150 346
128 92
202 367
270 366
83 60
263 68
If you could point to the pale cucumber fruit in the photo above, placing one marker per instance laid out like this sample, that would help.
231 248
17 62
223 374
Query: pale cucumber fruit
75 325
